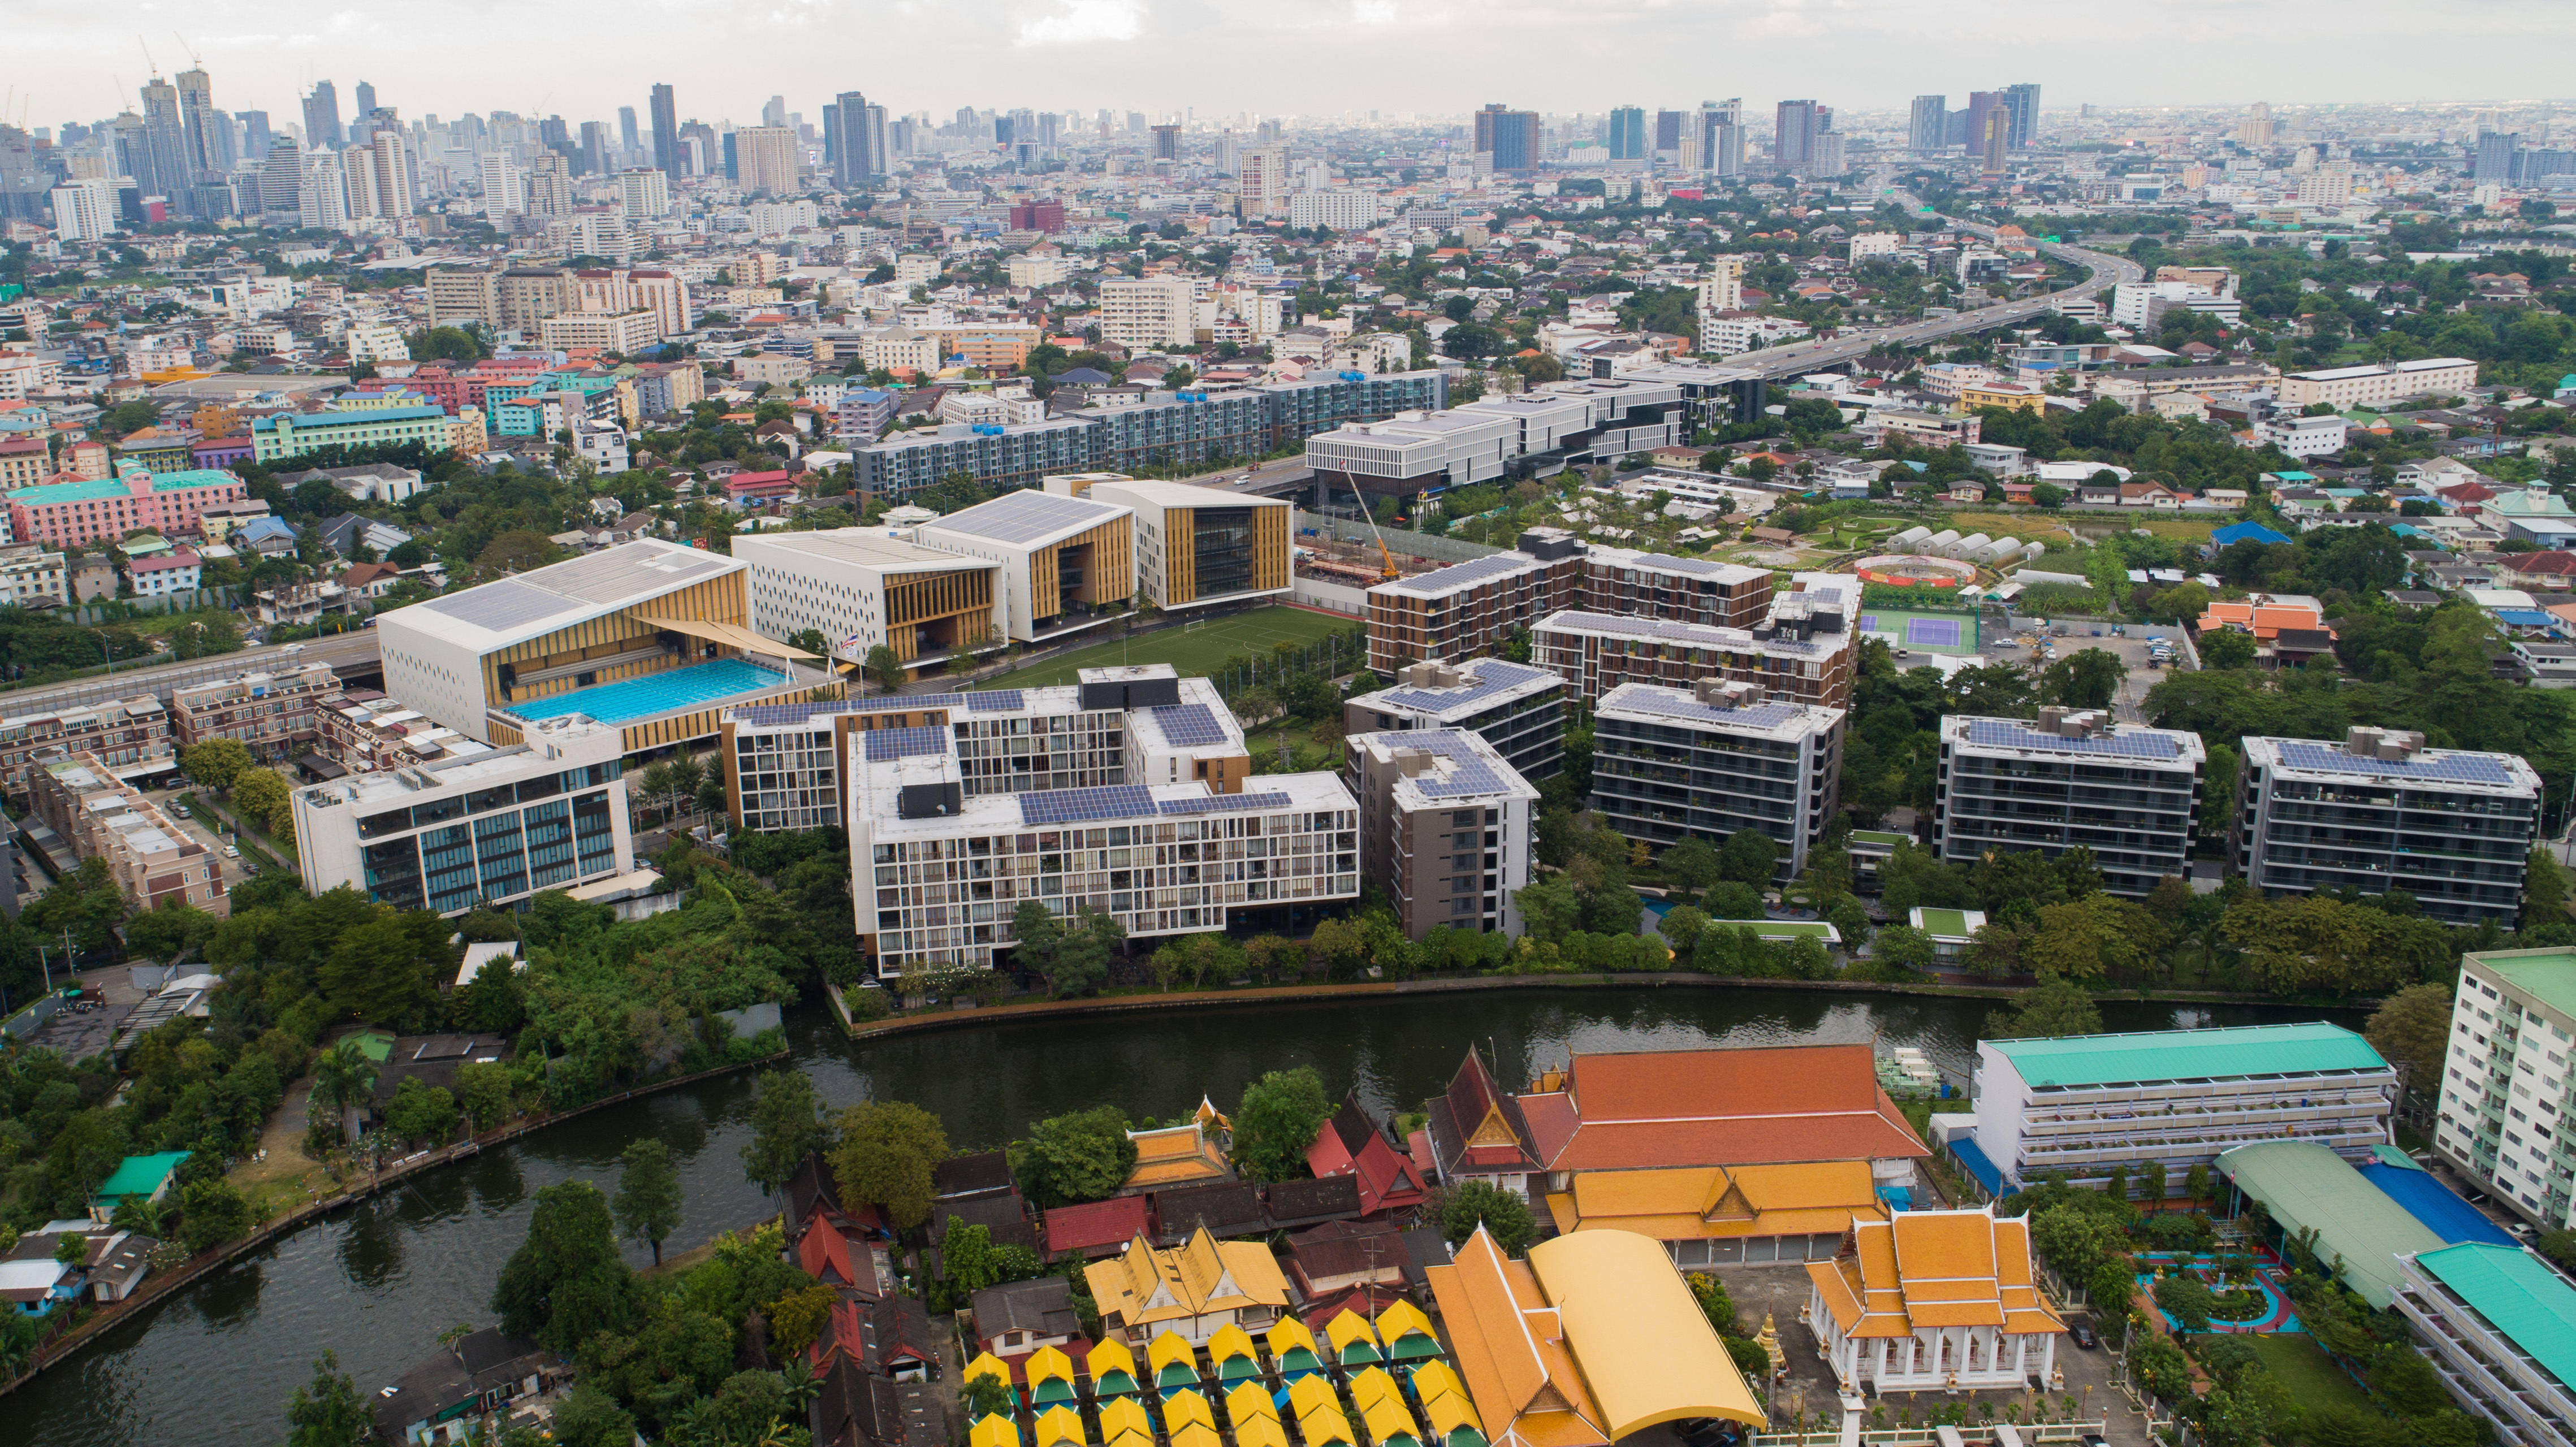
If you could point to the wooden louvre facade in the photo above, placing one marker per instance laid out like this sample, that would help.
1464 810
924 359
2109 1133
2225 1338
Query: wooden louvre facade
1270 555
1108 565
952 609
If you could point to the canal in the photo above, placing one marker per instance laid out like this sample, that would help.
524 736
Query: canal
379 1282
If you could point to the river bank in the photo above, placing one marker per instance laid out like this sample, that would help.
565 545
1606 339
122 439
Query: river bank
971 1016
162 1285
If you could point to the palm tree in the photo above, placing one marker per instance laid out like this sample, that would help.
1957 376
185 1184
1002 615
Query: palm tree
342 1076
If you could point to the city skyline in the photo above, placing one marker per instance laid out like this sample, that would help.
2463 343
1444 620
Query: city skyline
1156 54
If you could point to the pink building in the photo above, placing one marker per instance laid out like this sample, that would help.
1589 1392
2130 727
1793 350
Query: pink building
107 508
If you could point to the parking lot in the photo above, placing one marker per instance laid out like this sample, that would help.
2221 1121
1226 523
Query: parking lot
205 830
2134 650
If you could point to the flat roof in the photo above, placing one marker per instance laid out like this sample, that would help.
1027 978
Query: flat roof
1029 518
532 604
1779 721
1463 575
2244 1050
99 489
1488 680
1949 923
2457 770
2530 1304
2304 1184
864 547
2546 975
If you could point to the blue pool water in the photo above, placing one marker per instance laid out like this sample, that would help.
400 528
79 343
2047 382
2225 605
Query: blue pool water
654 693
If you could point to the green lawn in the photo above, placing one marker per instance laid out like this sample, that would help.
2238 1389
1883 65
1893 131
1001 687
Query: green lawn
2312 1377
1194 651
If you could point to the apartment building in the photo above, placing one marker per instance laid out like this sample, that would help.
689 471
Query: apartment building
361 732
1801 648
289 435
2072 779
2508 1093
2086 1105
782 761
2381 812
1148 312
2499 1327
270 713
1629 583
124 734
107 508
1518 709
487 828
1447 827
939 875
2378 383
153 860
1474 607
29 571
1714 759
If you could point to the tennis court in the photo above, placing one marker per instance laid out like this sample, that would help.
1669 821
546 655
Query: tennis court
1922 632
1196 651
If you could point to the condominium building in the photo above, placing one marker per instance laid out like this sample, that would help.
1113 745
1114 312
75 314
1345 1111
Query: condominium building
1518 709
1474 607
2506 1098
2072 779
1712 760
2382 812
1448 826
483 829
1626 582
862 590
782 761
292 434
1335 210
270 713
107 508
1571 423
1148 312
153 860
131 736
2499 1327
29 571
1196 545
765 160
1801 647
939 875
2087 1105
361 731
2378 382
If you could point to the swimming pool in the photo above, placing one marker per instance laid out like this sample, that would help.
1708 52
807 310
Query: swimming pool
654 693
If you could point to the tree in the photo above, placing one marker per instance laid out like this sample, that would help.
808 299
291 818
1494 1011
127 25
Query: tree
1277 1120
797 1318
215 763
383 969
1903 947
2088 678
329 1412
2049 1010
566 1282
648 1195
515 551
786 1126
886 1151
883 669
211 1213
1749 857
2412 1030
256 793
342 1076
2226 648
421 1112
1503 1214
2544 890
1692 864
589 1417
483 1092
1080 1156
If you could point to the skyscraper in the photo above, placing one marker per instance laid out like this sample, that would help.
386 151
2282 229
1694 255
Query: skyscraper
1924 134
208 131
1669 126
165 145
1993 138
280 176
2493 160
1167 143
1628 133
765 160
627 141
875 130
1793 138
366 94
322 203
255 133
2023 102
504 190
666 132
1721 137
1980 103
775 113
1509 136
595 157
322 117
846 137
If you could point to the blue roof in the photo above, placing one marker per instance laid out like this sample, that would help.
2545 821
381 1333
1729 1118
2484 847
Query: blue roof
2525 618
2084 1060
1973 1156
2241 532
258 528
2429 1201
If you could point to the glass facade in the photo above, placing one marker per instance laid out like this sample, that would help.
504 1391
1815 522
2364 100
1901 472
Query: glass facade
491 845
1221 550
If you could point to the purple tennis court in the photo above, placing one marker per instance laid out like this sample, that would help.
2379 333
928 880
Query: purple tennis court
1932 632
1869 623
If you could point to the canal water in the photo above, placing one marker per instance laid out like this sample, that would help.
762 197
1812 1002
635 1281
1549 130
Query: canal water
378 1282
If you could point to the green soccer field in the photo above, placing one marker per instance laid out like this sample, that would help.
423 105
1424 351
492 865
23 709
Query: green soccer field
1194 652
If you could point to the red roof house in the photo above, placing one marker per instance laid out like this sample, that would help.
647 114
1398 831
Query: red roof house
1351 1144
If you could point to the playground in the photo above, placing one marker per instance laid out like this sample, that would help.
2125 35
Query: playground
1917 632
2254 1285
1197 649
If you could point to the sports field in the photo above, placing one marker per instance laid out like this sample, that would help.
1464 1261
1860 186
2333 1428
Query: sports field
1954 633
1195 651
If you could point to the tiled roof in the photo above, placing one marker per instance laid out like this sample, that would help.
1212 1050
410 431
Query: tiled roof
1730 1107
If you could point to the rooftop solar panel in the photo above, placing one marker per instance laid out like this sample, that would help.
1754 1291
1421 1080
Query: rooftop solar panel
1221 803
2128 744
1695 635
1671 703
499 605
1075 806
785 715
884 744
1188 725
994 701
2447 769
1472 571
1469 773
1028 515
617 574
1490 676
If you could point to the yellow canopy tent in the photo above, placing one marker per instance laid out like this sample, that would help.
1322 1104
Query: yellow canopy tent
1326 1425
1184 1407
1195 1435
1249 1402
1371 1385
1230 1351
1407 1332
1175 1363
1388 1422
1293 1348
1353 1343
1447 1413
988 1365
1113 1370
994 1431
1060 1427
1308 1393
1124 1417
1050 1375
1433 1378
1259 1432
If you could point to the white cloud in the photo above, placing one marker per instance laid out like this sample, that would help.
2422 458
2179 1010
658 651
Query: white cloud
1075 22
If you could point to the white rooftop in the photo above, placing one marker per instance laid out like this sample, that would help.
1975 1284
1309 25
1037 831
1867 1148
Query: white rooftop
535 603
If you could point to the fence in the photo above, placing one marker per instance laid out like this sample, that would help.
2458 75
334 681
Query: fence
1331 597
1974 1434
1411 544
93 613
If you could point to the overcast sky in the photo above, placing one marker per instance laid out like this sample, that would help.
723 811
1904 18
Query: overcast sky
1318 57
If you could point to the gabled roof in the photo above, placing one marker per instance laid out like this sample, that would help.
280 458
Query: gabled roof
1934 1269
1089 1227
1145 1286
1645 1109
1350 1144
1477 1128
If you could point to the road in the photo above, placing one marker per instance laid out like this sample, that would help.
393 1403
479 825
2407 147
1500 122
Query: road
347 653
2108 270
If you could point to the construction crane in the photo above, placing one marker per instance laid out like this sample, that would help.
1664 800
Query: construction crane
1384 556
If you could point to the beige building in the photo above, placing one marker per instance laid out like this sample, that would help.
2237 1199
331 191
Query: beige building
102 817
765 159
2378 382
271 714
620 332
1148 311
1448 824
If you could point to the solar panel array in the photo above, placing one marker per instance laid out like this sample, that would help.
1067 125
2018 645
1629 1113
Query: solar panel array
1026 516
1493 676
1472 571
2449 769
499 605
1697 635
950 701
785 715
1699 567
1077 806
616 574
1188 725
884 744
1469 775
1670 703
1221 804
994 701
2132 744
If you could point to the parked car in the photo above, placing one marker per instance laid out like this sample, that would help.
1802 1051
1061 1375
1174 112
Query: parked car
2083 1334
182 811
231 853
